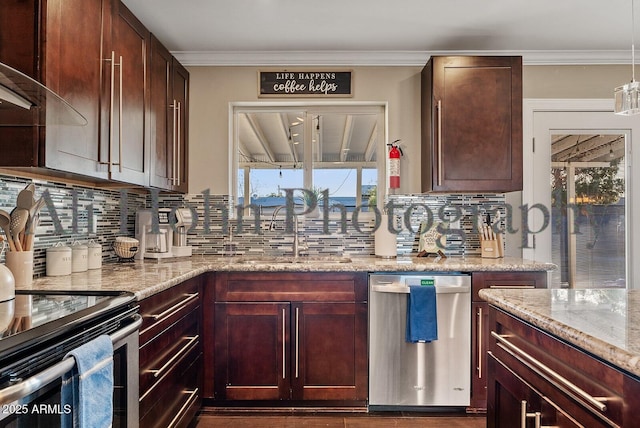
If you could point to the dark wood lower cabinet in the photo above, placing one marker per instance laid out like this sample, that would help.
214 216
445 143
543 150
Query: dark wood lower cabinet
480 329
171 356
294 351
252 351
538 380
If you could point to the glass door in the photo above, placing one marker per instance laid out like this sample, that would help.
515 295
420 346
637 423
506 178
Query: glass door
588 210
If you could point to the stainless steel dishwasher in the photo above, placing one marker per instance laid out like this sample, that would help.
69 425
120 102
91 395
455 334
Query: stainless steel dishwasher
419 376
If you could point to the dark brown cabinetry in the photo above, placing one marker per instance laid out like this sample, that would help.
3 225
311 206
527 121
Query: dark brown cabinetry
290 337
70 63
97 55
472 124
128 143
169 114
480 327
549 382
171 355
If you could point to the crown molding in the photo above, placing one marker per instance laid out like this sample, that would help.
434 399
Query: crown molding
388 58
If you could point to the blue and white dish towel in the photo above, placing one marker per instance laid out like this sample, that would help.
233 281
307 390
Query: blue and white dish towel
88 388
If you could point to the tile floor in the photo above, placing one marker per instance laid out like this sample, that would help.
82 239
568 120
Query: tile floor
209 419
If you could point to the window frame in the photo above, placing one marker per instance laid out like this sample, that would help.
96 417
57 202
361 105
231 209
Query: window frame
310 109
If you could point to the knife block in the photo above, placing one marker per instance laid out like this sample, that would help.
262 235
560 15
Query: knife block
492 248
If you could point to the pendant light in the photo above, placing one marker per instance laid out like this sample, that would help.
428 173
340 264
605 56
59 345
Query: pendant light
627 97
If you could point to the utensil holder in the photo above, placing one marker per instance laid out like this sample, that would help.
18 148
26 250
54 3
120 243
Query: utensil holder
20 263
492 248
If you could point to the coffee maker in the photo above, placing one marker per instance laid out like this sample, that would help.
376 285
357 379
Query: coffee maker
154 244
184 221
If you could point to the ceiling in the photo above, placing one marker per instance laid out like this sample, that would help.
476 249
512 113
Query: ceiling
273 139
587 148
393 32
384 32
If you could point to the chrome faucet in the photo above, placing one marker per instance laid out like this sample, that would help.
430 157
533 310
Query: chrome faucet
296 244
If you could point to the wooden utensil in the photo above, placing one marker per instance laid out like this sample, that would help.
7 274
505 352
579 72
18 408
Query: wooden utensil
19 218
5 222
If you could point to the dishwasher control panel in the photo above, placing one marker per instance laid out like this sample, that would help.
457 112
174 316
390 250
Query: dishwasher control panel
400 282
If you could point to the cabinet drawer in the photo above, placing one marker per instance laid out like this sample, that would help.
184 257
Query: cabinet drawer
480 280
158 355
175 399
271 287
592 392
165 308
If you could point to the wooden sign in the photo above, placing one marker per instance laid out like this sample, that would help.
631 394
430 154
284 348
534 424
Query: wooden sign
305 83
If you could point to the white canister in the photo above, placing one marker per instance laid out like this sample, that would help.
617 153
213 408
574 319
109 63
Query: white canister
94 255
79 257
58 260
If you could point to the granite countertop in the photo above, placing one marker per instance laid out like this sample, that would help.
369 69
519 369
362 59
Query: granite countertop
603 322
145 278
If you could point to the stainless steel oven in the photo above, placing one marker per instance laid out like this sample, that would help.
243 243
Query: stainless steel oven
43 328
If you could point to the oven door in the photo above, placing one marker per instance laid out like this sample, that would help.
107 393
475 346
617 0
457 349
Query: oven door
35 401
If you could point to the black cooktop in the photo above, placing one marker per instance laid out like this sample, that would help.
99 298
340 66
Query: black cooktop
34 318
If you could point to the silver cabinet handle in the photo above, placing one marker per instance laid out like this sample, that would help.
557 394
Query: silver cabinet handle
168 312
174 143
284 348
111 107
173 309
193 395
524 415
439 145
550 375
178 355
179 140
120 120
297 343
112 93
479 343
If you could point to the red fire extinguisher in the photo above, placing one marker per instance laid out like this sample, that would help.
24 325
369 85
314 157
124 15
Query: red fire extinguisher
394 164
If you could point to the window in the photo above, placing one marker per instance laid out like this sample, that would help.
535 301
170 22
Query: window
329 149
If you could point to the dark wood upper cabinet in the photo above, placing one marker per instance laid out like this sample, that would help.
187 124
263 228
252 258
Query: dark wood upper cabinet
169 82
71 64
98 56
472 124
128 124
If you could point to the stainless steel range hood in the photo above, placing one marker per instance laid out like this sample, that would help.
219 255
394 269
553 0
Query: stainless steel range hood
19 91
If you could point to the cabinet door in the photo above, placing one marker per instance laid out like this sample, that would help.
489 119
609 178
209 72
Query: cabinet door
475 140
181 104
252 352
129 128
74 69
479 346
329 351
512 401
169 120
162 114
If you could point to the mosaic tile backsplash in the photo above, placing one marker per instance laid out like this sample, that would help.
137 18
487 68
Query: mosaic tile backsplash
71 221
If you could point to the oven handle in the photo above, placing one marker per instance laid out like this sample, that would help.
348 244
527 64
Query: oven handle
34 383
